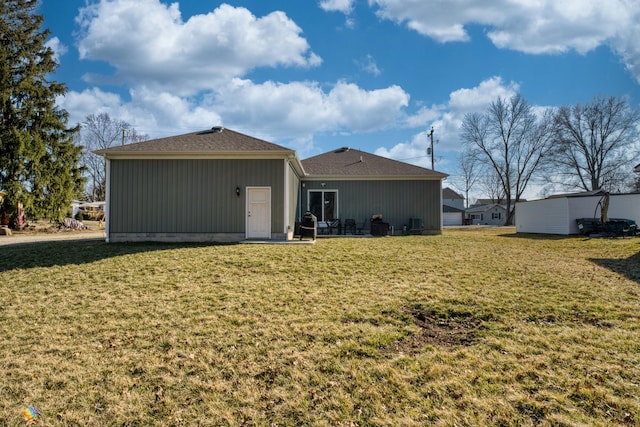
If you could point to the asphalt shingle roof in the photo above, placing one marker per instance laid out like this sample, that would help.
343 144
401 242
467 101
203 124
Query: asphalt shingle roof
448 193
349 162
215 140
344 162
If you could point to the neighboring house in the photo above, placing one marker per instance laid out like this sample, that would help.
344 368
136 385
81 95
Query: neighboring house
452 207
493 214
557 214
451 198
221 185
485 202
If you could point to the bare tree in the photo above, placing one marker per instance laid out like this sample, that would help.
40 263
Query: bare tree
492 186
511 140
471 171
100 132
595 144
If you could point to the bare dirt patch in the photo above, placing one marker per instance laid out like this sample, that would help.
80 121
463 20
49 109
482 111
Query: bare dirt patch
437 329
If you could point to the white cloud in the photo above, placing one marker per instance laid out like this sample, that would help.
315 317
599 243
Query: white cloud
464 101
530 26
302 108
58 48
292 111
147 41
446 121
186 76
80 104
150 112
369 65
626 45
344 6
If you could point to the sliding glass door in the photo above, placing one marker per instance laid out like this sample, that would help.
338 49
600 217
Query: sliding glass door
323 204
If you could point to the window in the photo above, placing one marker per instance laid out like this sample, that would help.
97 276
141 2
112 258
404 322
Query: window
324 204
496 215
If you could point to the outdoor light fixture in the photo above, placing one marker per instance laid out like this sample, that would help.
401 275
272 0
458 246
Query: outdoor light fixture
322 184
237 191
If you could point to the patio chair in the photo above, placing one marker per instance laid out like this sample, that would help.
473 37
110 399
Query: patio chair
334 225
350 225
364 226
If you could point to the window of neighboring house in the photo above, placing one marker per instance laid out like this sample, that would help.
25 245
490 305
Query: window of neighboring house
481 217
496 215
323 204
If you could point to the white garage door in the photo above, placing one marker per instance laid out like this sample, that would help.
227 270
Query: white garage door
452 218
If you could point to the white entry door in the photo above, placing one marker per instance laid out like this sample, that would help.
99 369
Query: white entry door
258 213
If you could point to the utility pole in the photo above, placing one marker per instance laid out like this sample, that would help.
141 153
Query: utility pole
430 149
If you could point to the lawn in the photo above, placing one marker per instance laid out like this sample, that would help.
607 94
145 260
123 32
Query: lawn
473 327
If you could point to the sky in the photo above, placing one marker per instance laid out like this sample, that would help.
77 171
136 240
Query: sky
316 75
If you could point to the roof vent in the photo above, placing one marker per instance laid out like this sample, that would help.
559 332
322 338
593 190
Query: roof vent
217 129
342 150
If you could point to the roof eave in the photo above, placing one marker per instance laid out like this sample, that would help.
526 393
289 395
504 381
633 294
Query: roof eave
196 154
435 177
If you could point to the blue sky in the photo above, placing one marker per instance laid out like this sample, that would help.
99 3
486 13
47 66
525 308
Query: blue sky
315 75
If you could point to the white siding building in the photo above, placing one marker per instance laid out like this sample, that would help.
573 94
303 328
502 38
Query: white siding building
558 214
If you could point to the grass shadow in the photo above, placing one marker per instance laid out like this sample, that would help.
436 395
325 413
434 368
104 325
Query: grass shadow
76 252
630 267
540 236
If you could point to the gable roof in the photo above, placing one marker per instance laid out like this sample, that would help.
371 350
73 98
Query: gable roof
448 193
581 194
216 140
451 209
355 164
484 202
484 208
219 142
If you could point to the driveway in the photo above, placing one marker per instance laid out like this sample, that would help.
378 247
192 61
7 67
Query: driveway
17 238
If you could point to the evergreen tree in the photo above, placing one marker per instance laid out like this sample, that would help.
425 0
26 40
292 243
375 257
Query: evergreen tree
38 159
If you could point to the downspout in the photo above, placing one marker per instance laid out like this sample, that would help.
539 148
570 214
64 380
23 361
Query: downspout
286 224
440 208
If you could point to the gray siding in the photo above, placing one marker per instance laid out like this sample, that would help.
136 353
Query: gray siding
397 201
189 196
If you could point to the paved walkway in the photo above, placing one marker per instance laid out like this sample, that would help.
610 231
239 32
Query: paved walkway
17 238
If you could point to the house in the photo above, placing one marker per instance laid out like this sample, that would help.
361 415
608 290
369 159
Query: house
452 207
557 214
451 198
493 214
485 202
222 185
351 184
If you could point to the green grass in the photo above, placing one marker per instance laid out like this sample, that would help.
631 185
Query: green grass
473 327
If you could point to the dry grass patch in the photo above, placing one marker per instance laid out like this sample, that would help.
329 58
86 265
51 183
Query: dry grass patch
469 328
